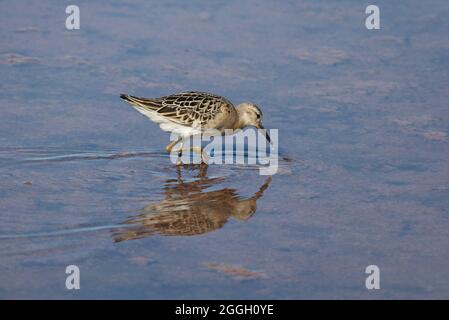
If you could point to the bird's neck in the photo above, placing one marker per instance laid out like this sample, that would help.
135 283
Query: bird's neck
240 122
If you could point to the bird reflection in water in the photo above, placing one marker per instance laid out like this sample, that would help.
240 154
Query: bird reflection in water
189 209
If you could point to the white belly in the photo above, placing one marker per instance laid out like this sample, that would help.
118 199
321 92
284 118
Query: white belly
167 125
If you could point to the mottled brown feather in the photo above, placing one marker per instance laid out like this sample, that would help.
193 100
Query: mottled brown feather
187 107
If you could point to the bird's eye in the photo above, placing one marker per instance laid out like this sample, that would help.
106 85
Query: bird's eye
258 116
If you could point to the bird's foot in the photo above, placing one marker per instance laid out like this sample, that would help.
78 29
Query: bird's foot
179 160
200 151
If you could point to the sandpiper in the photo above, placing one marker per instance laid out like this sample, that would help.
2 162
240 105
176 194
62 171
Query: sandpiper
191 113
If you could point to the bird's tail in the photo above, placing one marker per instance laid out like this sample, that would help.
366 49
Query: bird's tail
151 104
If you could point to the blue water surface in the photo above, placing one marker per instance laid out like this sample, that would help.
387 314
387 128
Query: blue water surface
363 123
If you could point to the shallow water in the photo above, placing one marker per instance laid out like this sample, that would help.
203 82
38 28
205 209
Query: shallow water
363 129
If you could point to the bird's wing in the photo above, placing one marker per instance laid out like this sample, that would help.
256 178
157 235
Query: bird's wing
185 108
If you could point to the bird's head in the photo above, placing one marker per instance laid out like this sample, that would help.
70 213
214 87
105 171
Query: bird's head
250 115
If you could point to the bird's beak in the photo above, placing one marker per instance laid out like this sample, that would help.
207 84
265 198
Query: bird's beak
267 136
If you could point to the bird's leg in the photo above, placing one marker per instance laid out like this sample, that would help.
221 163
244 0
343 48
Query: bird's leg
180 149
179 161
170 146
199 150
204 157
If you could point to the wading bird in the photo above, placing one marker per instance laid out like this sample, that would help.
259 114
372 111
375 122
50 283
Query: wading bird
191 113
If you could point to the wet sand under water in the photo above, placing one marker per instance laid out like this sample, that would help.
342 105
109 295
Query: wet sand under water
363 125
